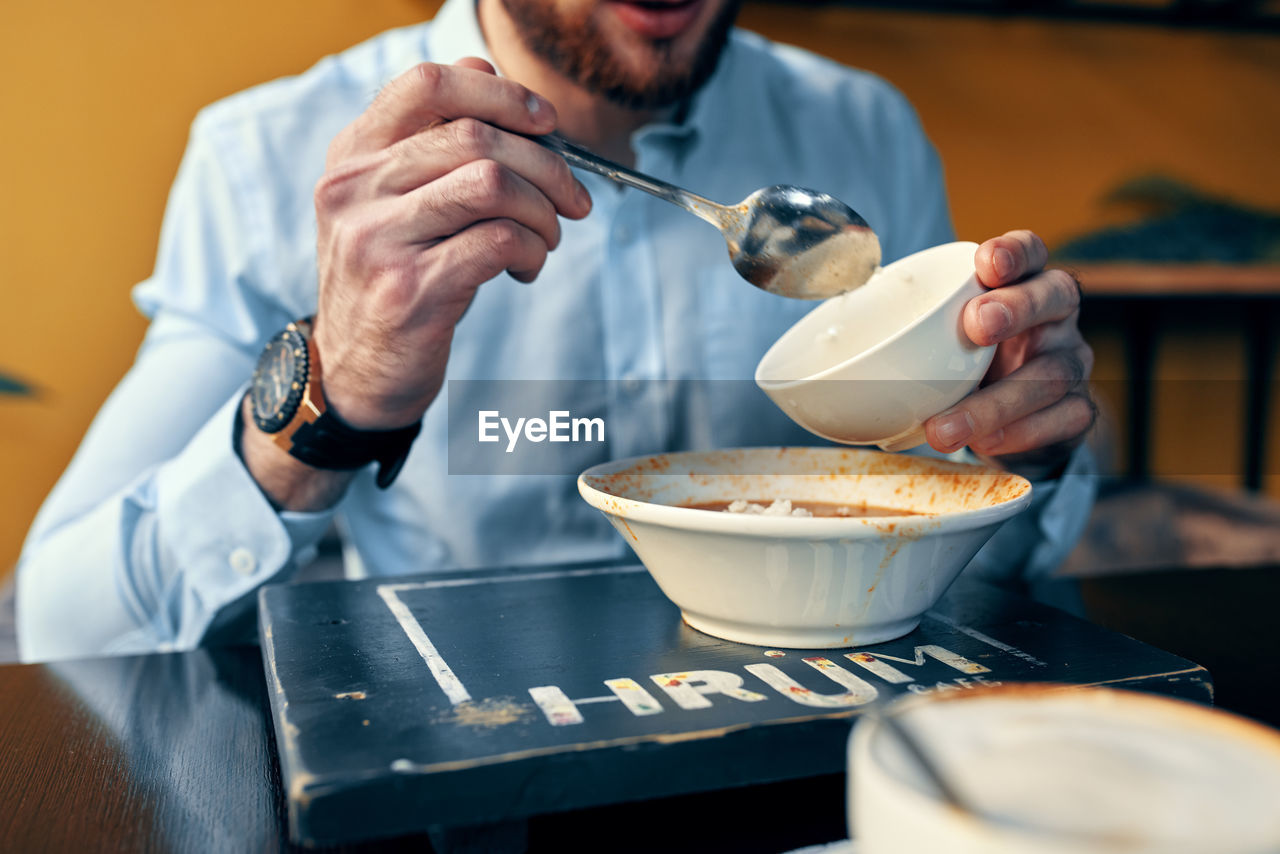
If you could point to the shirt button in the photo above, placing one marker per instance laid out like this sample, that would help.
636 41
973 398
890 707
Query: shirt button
631 385
242 561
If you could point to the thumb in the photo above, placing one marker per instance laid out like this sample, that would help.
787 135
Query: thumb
475 63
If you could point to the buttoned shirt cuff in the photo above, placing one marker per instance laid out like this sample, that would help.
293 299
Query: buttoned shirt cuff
231 540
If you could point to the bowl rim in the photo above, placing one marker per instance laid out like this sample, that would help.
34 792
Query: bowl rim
776 385
793 527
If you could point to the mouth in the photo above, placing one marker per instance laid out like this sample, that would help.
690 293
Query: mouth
657 19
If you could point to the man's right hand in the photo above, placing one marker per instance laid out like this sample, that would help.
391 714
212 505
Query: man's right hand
427 195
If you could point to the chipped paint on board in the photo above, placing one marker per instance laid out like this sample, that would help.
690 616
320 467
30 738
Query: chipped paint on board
489 713
876 662
689 688
985 638
637 700
857 691
445 678
556 705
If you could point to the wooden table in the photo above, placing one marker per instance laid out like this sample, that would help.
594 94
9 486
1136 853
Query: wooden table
1141 296
175 752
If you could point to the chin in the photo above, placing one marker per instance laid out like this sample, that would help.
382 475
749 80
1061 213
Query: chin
648 63
619 50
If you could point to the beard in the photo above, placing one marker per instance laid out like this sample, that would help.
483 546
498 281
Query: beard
577 49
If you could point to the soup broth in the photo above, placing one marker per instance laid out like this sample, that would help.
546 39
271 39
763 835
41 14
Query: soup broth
812 508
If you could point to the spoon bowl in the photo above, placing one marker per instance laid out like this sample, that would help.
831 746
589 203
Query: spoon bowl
783 239
800 243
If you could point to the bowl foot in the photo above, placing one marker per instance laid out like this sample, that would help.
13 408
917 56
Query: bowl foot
800 637
904 441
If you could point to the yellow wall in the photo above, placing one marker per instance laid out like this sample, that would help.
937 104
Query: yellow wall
97 99
1034 120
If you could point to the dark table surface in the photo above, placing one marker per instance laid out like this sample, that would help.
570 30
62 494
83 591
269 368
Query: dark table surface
176 752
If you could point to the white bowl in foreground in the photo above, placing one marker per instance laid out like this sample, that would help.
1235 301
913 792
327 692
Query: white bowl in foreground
1045 769
807 583
869 367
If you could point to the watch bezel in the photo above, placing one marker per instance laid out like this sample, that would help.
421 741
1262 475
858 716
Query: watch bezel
277 420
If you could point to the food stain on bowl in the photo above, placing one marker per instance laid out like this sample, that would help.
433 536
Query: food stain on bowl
864 575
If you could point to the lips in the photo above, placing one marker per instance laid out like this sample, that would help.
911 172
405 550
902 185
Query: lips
656 19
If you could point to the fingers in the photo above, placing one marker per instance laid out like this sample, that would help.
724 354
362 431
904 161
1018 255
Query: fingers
1061 425
1009 258
1006 312
1034 403
1013 353
490 247
477 191
368 239
989 420
476 64
433 153
430 93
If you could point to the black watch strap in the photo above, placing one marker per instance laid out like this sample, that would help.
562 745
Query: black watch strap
330 443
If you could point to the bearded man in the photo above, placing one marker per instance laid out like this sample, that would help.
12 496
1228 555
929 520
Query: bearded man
419 215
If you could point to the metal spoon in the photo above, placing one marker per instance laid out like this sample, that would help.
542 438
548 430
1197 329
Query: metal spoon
919 756
782 239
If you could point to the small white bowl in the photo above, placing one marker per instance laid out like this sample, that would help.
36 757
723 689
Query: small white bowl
806 583
869 367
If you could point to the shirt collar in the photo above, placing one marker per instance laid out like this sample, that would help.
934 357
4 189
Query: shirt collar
705 114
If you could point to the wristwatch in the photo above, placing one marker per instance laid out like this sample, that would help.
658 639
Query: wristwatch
287 398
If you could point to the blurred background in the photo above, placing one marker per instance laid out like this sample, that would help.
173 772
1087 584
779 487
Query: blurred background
1138 138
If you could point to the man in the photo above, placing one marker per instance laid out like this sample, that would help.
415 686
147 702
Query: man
417 214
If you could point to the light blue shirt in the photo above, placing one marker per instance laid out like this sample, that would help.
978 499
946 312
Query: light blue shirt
156 537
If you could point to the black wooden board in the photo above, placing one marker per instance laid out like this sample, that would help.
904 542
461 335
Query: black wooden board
406 704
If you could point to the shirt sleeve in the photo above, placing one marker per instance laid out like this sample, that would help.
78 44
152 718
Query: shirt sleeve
921 217
1024 553
156 536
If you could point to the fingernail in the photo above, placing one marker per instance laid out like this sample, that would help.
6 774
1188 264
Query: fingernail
989 441
538 107
584 198
1002 260
953 428
995 318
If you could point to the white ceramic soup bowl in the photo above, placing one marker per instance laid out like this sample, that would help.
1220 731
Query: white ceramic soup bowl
1045 769
869 367
807 583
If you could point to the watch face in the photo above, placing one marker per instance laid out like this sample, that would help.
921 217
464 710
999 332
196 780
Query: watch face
278 380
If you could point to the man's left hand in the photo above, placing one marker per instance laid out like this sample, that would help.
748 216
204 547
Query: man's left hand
1033 406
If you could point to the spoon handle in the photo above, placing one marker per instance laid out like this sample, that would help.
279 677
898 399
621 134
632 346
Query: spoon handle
581 157
922 760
